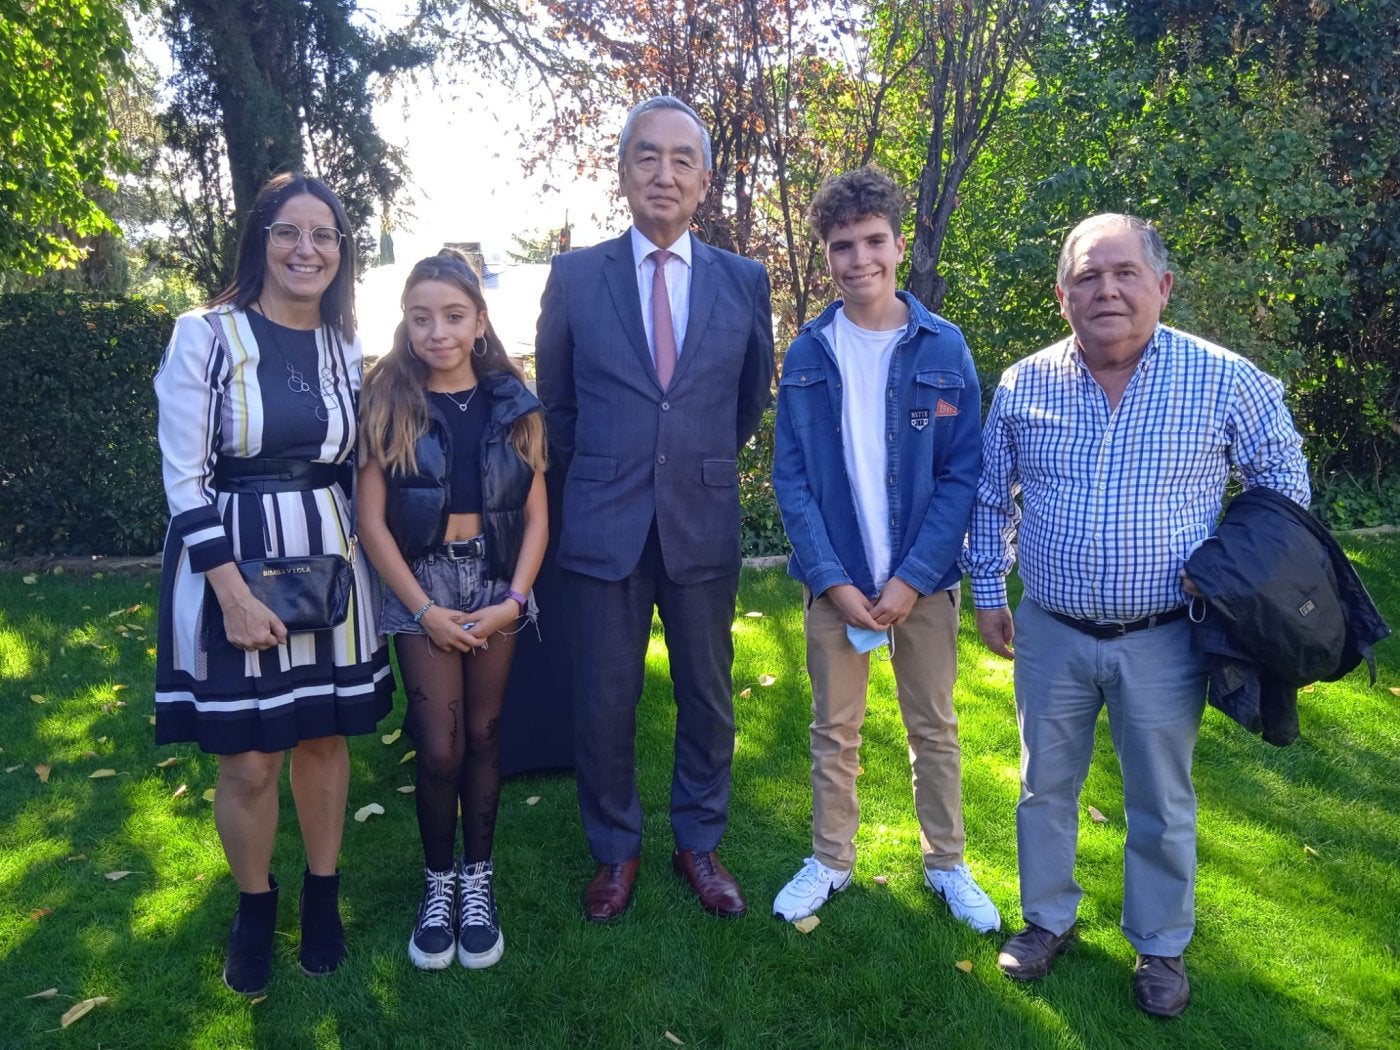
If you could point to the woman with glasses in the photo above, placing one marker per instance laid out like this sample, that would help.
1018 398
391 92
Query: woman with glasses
258 392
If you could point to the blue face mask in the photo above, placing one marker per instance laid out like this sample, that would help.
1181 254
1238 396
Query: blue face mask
865 640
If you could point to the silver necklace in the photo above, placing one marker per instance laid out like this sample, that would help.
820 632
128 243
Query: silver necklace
462 406
296 379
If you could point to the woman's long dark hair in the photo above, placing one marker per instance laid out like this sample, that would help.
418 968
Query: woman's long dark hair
337 301
395 412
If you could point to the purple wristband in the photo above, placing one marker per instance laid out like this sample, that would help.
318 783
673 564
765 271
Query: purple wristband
520 599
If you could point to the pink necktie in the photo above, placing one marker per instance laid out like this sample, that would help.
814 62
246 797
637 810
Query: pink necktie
663 333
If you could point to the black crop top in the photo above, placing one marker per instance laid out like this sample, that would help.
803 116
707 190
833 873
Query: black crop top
467 429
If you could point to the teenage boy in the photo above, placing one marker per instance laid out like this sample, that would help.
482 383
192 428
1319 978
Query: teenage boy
876 459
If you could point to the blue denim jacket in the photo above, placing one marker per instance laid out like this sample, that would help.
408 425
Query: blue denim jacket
933 446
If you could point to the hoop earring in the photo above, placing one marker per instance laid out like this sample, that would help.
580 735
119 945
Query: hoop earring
479 354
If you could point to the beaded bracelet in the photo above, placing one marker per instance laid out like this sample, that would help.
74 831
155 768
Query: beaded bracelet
418 616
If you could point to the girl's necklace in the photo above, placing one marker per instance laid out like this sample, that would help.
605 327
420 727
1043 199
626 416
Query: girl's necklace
462 406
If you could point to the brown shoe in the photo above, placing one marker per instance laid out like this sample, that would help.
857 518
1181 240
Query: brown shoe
1160 986
718 890
1028 955
610 890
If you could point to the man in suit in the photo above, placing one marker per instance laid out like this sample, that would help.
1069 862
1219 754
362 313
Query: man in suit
654 354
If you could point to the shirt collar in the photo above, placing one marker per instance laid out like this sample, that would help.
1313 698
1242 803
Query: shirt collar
642 247
1072 355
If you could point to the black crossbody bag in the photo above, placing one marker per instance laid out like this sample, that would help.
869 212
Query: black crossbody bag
309 592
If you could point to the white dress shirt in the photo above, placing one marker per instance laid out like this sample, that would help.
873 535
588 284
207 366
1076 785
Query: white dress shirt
677 284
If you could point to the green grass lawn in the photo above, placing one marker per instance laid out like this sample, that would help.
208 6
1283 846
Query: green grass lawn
1298 893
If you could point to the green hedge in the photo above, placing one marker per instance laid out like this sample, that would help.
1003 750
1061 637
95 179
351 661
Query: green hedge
79 463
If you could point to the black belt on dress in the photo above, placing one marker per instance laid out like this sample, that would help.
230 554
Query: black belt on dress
261 474
1105 629
461 550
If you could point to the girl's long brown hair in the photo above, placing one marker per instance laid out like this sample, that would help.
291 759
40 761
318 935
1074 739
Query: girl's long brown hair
395 412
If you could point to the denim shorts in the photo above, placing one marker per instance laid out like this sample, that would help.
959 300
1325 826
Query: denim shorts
453 583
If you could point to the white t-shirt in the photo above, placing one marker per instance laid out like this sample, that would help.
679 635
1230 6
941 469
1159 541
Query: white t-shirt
863 357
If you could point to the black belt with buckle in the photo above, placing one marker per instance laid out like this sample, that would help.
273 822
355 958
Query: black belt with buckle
1106 629
461 550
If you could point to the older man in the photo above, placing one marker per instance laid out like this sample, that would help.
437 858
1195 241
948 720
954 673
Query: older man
655 362
1118 442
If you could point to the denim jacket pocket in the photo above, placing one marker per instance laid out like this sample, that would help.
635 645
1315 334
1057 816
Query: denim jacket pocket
939 393
803 393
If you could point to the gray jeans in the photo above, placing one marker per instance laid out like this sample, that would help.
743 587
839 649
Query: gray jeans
454 583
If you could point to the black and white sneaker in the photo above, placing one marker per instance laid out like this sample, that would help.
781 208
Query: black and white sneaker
433 942
479 940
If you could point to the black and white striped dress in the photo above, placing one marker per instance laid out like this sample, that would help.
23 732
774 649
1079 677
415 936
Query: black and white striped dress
233 383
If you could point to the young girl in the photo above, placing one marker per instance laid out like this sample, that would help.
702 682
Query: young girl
452 513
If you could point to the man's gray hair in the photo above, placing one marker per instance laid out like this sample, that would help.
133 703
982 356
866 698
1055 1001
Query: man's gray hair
1153 250
663 102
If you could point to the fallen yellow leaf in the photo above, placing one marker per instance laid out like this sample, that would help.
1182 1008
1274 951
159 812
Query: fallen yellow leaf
103 739
47 993
389 738
180 791
151 719
1097 816
113 876
365 812
754 613
39 698
408 756
89 753
673 1038
81 1009
881 880
100 774
208 795
532 800
166 763
40 913
31 579
407 789
1309 688
766 679
965 965
808 924
259 999
77 856
746 692
11 769
118 688
43 769
1309 849
1395 690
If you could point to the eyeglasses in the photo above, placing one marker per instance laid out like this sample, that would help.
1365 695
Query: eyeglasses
289 234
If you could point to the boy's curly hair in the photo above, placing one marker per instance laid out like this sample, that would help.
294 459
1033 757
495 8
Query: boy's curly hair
855 195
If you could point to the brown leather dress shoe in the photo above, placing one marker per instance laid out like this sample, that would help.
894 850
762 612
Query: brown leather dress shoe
1028 955
610 890
1160 985
718 890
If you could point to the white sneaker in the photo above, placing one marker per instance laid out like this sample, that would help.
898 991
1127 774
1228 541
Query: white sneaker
966 900
809 890
433 942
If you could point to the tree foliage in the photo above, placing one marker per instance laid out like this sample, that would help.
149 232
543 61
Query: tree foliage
265 86
57 147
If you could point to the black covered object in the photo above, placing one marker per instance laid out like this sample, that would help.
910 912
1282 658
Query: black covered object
1284 607
537 720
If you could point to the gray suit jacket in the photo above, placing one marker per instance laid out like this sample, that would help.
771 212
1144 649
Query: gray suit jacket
630 453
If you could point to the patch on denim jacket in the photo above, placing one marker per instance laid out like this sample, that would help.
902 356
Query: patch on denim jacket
918 418
945 408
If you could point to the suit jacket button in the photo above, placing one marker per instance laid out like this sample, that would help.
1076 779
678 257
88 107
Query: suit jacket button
661 459
665 406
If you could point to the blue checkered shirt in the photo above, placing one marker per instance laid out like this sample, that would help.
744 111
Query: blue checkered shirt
1112 503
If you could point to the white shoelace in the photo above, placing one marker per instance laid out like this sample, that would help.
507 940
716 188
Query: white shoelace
437 904
809 878
476 898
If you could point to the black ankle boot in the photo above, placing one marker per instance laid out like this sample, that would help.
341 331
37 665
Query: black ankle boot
322 936
249 962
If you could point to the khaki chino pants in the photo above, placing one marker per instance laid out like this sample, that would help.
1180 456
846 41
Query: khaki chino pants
925 665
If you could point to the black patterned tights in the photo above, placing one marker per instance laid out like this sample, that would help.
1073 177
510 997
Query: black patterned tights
454 712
